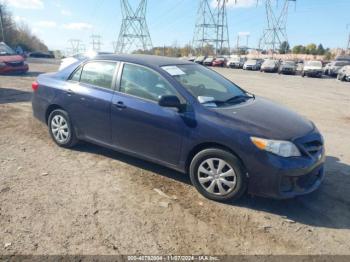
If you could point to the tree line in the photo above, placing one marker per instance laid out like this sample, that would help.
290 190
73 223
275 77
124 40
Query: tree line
18 34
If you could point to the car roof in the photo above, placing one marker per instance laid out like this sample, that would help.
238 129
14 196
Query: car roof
148 60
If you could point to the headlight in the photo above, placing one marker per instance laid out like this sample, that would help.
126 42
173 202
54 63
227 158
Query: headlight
281 148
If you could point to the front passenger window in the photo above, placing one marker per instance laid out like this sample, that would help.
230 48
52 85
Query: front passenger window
144 83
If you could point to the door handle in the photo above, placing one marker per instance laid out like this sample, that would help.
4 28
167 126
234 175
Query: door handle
69 92
120 105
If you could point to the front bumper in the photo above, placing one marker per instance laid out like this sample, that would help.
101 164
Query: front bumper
313 73
277 177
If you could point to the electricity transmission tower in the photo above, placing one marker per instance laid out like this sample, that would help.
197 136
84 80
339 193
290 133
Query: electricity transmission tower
211 30
96 42
276 32
76 46
134 33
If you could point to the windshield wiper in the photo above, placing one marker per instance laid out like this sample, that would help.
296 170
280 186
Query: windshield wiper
239 98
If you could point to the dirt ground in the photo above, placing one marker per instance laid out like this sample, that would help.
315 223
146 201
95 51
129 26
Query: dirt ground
92 200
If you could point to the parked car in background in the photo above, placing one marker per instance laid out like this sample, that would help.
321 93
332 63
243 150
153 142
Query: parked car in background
269 66
287 67
186 117
41 55
344 73
208 61
200 60
313 69
335 66
252 64
65 62
219 62
10 62
236 62
191 58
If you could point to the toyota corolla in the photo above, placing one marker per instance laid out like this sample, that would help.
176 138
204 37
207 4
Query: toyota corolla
186 117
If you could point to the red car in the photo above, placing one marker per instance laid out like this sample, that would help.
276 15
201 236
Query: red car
220 61
10 62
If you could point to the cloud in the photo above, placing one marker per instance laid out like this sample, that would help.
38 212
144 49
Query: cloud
27 4
20 19
47 24
244 33
77 26
66 12
237 3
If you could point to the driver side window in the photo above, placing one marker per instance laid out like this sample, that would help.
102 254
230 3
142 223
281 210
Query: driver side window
144 83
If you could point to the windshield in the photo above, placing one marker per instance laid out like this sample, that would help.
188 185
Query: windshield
251 62
290 63
314 63
204 84
270 62
6 50
341 63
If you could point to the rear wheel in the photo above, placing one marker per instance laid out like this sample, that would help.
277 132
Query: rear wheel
61 129
218 175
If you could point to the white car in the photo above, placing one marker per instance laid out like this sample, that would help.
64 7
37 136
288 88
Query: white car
344 73
312 68
65 62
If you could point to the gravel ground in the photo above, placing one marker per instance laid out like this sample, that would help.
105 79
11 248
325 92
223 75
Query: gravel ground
92 200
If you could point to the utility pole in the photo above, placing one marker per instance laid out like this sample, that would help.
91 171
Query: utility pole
134 33
96 43
2 25
276 32
348 46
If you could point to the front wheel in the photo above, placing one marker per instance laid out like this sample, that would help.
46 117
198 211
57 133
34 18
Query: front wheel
61 129
218 175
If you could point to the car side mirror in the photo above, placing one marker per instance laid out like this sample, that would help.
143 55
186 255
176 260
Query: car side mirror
170 101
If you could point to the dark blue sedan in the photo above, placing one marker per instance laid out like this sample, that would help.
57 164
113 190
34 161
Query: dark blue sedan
186 117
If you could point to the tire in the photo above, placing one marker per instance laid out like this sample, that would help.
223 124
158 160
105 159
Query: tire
235 183
303 74
60 119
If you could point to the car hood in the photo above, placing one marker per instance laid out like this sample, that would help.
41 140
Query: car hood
264 118
11 58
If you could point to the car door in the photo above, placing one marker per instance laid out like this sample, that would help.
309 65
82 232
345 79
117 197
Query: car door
139 124
90 94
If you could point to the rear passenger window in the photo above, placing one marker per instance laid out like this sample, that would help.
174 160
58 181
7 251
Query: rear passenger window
76 75
98 74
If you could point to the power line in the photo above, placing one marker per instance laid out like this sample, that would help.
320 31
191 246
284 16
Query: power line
134 33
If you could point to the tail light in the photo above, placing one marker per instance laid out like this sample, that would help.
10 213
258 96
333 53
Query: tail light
35 86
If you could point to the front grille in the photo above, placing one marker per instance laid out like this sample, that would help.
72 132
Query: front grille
15 64
313 147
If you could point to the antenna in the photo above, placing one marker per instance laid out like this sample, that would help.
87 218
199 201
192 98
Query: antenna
211 29
134 33
96 43
276 32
